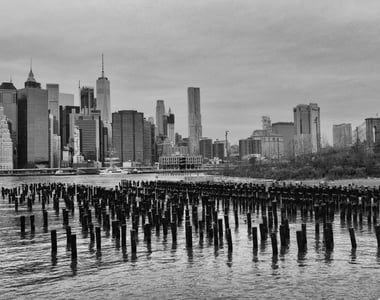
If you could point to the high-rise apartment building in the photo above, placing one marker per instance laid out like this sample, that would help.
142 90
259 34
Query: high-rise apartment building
33 124
87 99
6 144
170 127
194 118
160 113
128 135
342 136
307 128
8 100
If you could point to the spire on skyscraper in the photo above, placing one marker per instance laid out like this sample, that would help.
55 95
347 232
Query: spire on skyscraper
31 75
102 65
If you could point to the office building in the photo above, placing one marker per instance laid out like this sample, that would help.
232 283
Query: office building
160 113
148 143
170 127
33 125
194 119
128 135
6 144
90 131
205 148
8 100
286 130
307 128
342 136
87 99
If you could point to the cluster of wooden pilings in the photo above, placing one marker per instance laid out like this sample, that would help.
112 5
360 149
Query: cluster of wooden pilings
204 208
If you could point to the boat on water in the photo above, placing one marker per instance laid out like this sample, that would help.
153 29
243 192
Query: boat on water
113 170
66 172
88 171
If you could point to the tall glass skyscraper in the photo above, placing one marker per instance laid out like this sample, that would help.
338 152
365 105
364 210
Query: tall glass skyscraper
103 97
160 113
33 124
195 122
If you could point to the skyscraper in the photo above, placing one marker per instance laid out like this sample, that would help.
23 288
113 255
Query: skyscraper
160 113
342 136
307 129
33 124
128 135
170 127
87 99
103 96
148 145
6 144
8 100
195 122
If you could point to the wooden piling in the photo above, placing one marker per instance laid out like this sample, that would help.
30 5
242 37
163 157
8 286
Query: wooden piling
352 237
98 239
53 238
73 247
45 217
124 236
229 239
68 237
254 238
22 224
32 225
377 231
133 242
274 244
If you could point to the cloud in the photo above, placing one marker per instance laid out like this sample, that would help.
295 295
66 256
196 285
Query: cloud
250 58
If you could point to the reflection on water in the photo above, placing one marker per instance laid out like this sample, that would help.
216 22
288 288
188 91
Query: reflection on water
166 270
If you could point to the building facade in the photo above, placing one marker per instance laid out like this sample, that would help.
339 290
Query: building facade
160 113
373 135
8 100
286 130
87 99
6 143
170 127
249 147
205 148
128 135
33 125
307 128
180 162
342 136
194 119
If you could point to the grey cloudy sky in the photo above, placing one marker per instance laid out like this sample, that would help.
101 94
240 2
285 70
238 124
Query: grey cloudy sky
249 58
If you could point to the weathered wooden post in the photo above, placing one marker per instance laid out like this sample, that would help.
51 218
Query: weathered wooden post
53 237
73 247
22 224
352 237
274 244
229 239
98 239
45 217
124 236
32 225
133 242
254 238
377 231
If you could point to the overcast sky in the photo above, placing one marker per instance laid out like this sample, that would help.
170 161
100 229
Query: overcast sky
249 58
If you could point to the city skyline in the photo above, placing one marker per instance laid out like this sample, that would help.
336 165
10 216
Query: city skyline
248 58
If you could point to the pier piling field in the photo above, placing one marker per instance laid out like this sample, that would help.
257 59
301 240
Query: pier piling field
201 210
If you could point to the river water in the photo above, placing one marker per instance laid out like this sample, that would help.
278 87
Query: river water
28 271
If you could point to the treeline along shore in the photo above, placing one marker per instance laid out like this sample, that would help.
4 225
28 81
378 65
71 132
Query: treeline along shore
330 164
